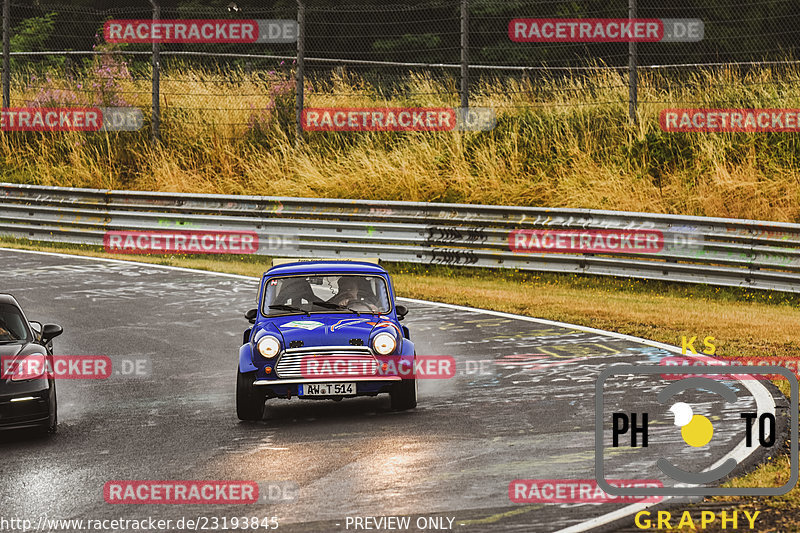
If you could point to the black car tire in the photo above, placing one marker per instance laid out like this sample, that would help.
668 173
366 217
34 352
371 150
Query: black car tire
249 400
404 395
51 426
246 336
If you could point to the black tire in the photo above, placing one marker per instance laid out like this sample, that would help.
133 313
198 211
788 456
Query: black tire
404 395
249 400
51 426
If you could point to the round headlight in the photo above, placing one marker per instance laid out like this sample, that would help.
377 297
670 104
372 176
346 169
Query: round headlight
269 346
384 343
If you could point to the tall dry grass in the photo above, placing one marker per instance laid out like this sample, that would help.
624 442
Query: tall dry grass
559 141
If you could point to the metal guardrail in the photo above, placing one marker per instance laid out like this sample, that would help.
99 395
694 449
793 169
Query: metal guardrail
715 251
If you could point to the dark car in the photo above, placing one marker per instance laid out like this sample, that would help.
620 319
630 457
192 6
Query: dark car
325 314
27 399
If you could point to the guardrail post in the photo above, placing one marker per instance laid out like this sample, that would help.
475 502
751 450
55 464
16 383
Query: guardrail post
6 53
632 73
464 53
300 71
156 113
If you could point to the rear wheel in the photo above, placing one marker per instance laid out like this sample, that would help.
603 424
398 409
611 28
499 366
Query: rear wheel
249 400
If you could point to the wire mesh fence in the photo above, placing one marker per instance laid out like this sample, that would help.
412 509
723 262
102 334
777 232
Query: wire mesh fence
441 53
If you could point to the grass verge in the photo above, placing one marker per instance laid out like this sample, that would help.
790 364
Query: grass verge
744 322
560 141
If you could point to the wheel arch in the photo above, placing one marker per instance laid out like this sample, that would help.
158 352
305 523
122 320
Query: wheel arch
246 359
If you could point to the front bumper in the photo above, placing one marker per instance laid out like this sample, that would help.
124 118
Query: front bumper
289 369
24 410
284 388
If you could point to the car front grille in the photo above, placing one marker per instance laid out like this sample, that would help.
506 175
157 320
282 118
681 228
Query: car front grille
290 363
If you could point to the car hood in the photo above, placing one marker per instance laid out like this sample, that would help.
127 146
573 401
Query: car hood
11 350
322 330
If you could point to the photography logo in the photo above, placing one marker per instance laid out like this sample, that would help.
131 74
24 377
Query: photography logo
650 422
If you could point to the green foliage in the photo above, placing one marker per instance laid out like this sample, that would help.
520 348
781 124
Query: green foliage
407 42
31 34
428 30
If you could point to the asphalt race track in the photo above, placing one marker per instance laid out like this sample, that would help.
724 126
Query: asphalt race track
530 415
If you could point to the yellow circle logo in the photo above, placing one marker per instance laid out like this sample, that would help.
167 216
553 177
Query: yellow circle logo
696 430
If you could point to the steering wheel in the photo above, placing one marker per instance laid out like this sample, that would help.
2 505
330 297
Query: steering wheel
363 305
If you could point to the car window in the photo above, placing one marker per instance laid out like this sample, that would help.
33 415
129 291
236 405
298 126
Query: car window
12 325
306 293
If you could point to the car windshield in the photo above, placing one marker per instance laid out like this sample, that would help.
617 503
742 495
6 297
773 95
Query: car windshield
348 293
12 325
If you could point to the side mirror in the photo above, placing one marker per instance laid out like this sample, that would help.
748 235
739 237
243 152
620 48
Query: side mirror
251 315
50 332
402 311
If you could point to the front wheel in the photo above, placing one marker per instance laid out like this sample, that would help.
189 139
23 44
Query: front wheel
51 425
404 395
249 400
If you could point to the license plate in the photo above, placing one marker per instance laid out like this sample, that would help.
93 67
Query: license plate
326 389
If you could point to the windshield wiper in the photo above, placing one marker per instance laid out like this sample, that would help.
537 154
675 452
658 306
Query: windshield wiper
283 307
329 305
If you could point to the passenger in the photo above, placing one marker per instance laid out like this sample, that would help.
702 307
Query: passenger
294 291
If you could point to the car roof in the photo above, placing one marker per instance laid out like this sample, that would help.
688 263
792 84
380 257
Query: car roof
324 266
8 299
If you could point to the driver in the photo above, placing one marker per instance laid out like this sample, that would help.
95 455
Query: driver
354 290
4 331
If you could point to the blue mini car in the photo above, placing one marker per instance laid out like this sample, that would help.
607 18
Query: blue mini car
325 329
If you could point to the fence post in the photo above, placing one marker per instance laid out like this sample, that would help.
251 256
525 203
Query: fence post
6 53
633 79
300 71
156 114
464 53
